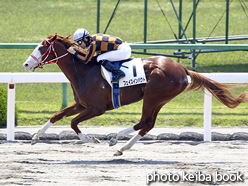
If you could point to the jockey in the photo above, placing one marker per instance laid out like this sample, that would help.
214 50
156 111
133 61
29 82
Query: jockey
111 48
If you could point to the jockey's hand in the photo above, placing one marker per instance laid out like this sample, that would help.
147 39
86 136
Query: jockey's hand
71 50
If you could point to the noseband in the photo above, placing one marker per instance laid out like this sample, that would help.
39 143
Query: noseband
47 53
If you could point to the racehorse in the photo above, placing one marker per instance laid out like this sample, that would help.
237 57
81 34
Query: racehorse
165 80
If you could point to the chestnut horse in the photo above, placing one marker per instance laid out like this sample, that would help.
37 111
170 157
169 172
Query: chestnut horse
165 80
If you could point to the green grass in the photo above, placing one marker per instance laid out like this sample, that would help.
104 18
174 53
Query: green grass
30 21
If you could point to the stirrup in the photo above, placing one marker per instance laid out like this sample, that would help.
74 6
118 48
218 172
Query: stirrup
117 73
118 76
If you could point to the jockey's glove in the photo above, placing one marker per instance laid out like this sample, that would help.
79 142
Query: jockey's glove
71 50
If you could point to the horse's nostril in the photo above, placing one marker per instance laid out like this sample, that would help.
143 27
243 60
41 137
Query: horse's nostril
26 65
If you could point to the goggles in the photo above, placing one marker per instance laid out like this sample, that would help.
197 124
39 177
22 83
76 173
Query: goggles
82 41
79 42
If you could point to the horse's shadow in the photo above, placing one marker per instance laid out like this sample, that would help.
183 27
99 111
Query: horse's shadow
121 161
114 162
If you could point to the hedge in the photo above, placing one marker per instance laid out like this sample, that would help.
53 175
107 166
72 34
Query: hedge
3 107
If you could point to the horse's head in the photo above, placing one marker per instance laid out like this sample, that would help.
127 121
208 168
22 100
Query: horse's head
45 52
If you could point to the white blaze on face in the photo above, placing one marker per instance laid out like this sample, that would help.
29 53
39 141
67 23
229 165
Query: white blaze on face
30 64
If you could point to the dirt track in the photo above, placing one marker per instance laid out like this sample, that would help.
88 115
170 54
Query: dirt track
75 163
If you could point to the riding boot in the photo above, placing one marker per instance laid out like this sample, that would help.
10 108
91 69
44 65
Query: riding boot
112 68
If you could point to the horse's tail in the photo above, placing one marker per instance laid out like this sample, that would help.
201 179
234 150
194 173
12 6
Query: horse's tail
218 90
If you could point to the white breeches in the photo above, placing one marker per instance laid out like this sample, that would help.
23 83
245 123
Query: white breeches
123 52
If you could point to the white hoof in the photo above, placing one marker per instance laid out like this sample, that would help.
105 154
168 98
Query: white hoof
96 140
118 153
89 139
113 141
35 139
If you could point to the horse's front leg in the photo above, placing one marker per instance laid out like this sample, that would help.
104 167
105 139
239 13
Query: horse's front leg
88 113
41 132
68 111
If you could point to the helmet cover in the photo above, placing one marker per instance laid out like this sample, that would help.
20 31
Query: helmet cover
80 34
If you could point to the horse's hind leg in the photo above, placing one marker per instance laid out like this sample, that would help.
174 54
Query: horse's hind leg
68 111
151 109
145 125
155 96
120 135
113 141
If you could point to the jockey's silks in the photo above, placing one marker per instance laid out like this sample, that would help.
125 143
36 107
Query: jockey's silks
100 43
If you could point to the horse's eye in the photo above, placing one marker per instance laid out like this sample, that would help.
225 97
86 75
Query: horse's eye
40 47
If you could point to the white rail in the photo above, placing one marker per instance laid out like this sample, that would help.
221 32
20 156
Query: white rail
12 78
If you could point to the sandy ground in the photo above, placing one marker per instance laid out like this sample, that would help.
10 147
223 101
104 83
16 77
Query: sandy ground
75 163
115 129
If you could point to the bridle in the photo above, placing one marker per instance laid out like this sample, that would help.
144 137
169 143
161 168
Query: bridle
47 53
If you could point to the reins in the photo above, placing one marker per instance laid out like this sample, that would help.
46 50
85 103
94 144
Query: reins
47 53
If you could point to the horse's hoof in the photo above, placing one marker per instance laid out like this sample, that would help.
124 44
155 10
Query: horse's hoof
35 139
118 153
96 140
112 142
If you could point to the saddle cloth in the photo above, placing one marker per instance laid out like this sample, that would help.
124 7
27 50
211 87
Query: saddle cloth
133 70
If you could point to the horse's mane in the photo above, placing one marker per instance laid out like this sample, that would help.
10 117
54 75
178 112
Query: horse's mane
65 40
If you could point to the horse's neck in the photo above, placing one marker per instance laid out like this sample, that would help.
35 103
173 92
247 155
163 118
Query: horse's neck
75 71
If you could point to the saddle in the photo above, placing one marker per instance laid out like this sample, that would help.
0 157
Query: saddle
123 61
134 70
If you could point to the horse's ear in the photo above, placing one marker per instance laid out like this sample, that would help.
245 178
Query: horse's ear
54 37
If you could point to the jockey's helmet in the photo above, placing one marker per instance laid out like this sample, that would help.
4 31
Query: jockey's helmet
80 34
